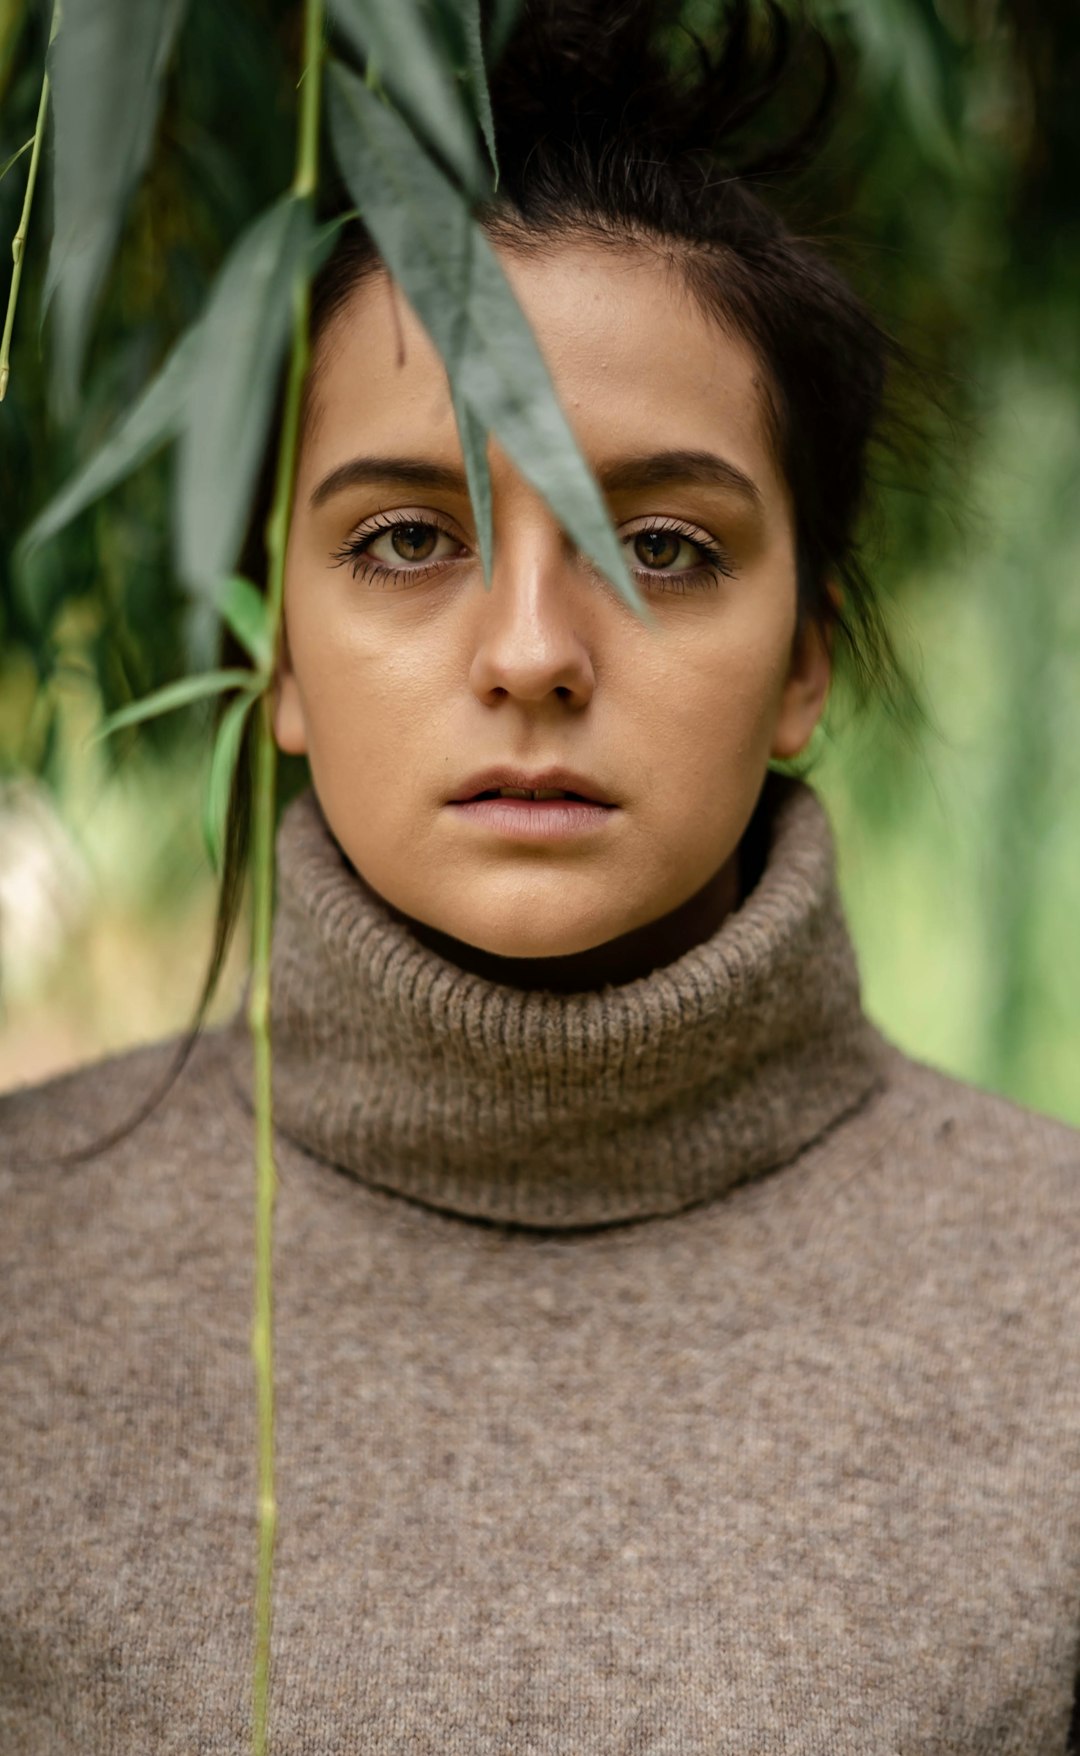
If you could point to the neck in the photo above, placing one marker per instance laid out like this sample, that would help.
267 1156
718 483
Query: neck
619 960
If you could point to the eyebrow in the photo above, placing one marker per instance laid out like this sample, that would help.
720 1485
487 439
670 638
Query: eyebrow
654 469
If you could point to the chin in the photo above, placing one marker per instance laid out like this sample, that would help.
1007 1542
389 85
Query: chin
517 938
528 921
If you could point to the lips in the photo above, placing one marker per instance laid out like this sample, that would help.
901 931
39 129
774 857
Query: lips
555 784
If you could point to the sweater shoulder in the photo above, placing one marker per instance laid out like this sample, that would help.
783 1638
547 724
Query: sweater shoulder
89 1120
977 1152
28 1108
980 1124
105 1193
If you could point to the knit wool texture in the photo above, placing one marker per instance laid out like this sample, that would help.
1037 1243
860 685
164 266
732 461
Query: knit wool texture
673 1370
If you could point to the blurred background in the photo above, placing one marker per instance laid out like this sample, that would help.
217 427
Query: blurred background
950 193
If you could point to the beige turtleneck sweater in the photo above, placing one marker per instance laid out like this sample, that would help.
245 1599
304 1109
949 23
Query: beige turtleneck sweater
676 1370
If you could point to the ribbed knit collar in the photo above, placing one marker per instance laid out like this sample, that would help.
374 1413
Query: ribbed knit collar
559 1110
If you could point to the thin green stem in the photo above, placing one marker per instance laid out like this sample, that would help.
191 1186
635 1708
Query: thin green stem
277 524
307 143
263 820
18 243
262 1340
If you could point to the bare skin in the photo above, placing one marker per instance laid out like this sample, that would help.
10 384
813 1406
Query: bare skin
402 684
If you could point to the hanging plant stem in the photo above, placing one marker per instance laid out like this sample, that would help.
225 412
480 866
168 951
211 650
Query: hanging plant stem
18 243
263 821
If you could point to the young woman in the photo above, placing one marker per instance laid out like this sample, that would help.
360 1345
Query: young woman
666 1363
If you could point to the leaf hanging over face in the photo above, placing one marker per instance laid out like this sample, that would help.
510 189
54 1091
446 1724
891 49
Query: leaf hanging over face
412 64
230 735
474 451
151 421
456 284
242 339
106 67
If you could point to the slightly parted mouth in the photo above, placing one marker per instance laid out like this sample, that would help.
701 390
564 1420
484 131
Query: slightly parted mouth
525 793
551 785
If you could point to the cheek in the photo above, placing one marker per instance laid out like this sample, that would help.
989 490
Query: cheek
370 692
713 703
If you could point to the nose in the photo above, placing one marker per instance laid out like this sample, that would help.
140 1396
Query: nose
530 641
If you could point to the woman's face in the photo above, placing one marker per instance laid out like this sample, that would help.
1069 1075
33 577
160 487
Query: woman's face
412 688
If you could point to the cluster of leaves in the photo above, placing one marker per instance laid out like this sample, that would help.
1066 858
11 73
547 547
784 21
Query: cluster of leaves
951 170
406 137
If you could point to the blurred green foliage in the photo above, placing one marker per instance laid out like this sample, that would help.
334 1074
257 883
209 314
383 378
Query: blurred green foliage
948 194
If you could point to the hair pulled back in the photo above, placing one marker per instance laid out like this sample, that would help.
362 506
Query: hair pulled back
619 121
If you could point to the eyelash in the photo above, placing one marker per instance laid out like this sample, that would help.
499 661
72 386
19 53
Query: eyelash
354 553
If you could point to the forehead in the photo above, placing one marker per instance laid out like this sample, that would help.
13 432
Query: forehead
638 365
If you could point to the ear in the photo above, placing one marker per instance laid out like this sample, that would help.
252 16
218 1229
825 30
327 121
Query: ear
290 726
805 691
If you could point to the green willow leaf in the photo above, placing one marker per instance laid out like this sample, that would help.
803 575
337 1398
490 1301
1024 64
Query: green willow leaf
180 694
242 339
248 615
230 734
106 68
325 236
154 419
478 83
15 157
455 283
501 26
459 23
474 451
415 70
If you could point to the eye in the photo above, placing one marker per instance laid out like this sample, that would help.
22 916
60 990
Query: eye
396 550
409 542
666 551
664 548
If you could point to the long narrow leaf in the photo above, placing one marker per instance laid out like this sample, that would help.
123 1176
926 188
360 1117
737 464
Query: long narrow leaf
399 39
456 284
180 694
150 422
474 451
227 744
106 67
156 418
459 21
243 335
248 615
15 157
500 26
474 43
